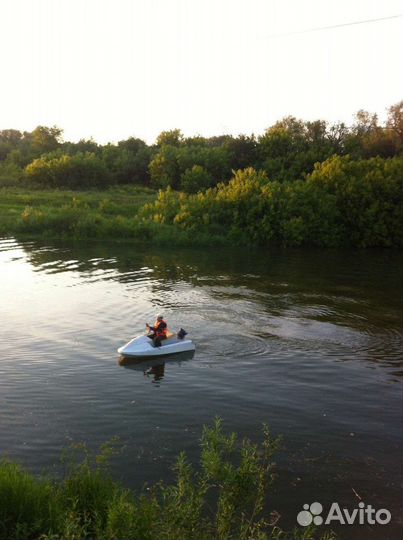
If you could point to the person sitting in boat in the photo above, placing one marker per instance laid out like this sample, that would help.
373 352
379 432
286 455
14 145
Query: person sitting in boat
159 331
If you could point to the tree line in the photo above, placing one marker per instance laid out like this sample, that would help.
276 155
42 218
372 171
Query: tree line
285 152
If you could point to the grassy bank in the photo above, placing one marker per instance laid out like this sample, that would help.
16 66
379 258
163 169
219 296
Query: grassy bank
343 203
53 212
223 498
95 214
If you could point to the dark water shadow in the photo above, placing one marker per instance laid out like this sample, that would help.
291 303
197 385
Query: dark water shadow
154 368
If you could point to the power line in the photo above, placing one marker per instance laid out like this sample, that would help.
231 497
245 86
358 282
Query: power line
319 29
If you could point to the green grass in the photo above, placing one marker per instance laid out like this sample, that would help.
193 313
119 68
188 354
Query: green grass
26 505
108 204
95 214
224 497
77 214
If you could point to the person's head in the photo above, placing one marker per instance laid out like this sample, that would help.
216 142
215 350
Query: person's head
159 317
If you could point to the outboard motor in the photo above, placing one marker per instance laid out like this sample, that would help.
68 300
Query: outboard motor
181 334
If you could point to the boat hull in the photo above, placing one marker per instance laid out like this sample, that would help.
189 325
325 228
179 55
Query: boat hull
143 347
142 363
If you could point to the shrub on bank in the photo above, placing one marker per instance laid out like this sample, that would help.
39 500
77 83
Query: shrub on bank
196 179
368 195
91 216
10 174
252 210
190 168
343 202
82 170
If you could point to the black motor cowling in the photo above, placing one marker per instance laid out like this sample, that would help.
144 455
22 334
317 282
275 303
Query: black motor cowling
182 333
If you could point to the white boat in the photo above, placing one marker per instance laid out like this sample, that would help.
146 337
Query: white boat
143 346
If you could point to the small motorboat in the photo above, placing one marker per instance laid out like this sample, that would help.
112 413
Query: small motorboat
143 346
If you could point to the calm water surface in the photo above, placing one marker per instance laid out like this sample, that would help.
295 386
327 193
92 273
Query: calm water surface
309 342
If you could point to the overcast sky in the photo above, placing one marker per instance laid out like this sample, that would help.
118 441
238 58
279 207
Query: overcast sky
111 69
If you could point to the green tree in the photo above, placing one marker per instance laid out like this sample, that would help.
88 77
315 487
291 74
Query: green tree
195 179
368 195
82 146
174 137
368 139
134 160
164 168
395 124
9 141
79 171
289 149
215 160
242 151
45 139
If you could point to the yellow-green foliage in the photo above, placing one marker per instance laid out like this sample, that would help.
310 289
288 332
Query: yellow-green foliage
189 167
195 179
369 196
81 170
343 202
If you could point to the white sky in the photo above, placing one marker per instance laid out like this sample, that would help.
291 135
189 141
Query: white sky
118 68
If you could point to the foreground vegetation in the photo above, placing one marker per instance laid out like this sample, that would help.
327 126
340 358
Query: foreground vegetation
224 498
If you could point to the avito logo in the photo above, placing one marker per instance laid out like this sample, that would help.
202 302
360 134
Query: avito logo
364 514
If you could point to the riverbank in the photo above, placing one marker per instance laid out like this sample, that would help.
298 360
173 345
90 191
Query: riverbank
69 213
343 203
110 214
225 498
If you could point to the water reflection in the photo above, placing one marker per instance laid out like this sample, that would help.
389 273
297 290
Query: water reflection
154 368
157 372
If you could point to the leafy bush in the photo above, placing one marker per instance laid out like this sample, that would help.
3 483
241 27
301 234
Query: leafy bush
195 179
343 202
164 169
10 174
368 195
127 163
172 162
78 171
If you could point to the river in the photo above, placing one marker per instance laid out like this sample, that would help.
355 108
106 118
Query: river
309 342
